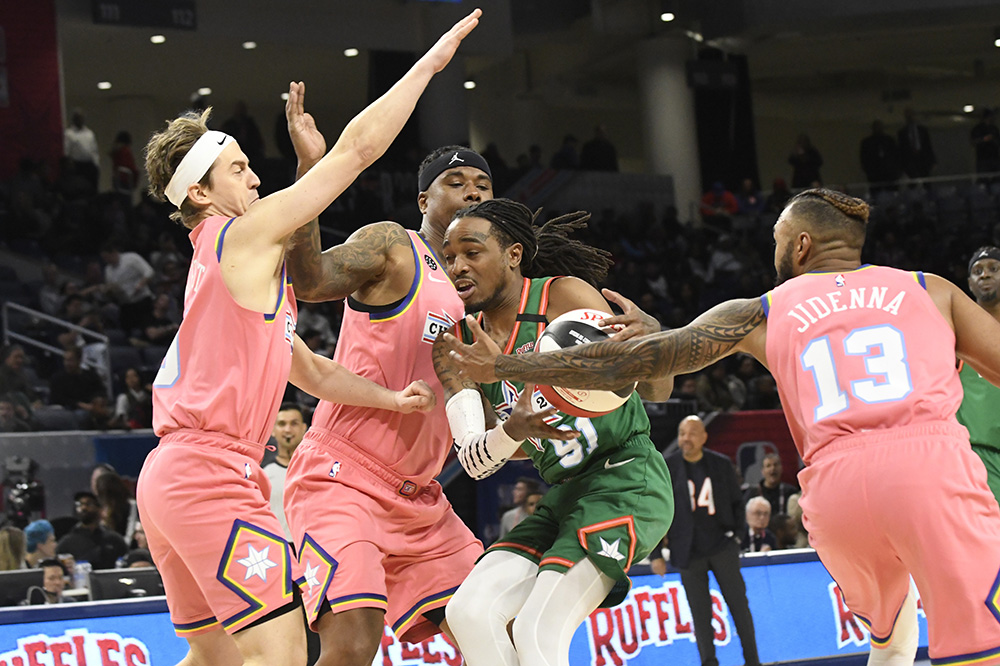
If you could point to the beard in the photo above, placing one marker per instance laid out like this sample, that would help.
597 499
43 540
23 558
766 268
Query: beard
491 302
785 267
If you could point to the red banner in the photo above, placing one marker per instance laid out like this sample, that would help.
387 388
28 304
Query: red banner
747 436
30 106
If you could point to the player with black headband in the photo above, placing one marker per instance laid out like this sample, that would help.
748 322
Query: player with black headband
360 495
611 499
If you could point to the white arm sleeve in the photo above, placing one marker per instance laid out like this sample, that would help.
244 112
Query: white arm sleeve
481 452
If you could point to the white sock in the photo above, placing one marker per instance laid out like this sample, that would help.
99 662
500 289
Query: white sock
485 604
557 605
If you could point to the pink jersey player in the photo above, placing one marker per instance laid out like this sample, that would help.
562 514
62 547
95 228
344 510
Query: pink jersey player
410 551
871 401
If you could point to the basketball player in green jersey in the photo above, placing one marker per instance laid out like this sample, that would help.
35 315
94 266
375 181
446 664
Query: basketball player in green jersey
981 403
611 500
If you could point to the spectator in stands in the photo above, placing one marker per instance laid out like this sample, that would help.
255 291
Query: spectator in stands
685 387
714 391
718 206
16 382
805 161
522 490
313 317
880 159
50 294
289 429
139 537
134 405
985 139
40 543
119 512
80 146
89 541
757 538
127 277
916 154
124 173
9 420
242 127
708 517
166 248
779 196
795 513
566 157
137 558
160 324
12 548
762 393
53 580
771 487
751 201
785 531
531 501
75 387
599 153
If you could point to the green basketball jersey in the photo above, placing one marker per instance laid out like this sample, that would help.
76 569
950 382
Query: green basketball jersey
980 410
599 436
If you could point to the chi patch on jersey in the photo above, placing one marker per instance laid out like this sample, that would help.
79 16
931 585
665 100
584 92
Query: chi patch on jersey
290 331
436 324
254 560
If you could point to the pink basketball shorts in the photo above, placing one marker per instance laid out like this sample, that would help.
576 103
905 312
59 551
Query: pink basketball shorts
204 504
882 506
369 538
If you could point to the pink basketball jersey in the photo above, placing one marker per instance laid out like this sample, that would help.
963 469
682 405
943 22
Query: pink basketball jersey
391 345
859 351
227 367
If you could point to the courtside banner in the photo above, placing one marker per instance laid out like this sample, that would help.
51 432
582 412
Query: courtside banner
798 613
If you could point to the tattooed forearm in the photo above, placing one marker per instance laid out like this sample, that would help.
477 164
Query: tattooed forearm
607 365
344 268
445 369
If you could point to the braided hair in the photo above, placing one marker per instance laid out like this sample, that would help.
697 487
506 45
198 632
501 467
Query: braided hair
548 249
832 211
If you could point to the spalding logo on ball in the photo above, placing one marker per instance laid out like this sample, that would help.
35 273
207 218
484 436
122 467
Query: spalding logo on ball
578 327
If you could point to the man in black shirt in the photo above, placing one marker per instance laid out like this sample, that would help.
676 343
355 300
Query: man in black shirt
708 514
88 541
771 487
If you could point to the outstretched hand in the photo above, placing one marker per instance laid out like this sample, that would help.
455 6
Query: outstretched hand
309 144
441 53
475 361
633 322
524 422
418 396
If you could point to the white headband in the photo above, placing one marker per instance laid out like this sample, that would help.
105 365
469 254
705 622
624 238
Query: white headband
196 164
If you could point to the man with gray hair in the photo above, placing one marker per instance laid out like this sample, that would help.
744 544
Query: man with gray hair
758 538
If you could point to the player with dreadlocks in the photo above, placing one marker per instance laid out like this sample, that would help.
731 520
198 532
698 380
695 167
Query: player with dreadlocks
612 500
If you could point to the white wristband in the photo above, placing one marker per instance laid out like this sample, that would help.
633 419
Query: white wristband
481 453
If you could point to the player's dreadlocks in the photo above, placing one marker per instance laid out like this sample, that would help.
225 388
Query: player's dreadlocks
829 210
548 249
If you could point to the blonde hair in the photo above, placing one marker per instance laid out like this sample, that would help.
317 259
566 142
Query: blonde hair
13 546
164 153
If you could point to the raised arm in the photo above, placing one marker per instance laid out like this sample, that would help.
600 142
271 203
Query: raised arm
363 141
736 325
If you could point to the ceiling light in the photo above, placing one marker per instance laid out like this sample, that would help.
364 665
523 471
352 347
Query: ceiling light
104 85
249 45
996 42
968 108
157 39
469 85
667 17
284 96
350 53
204 91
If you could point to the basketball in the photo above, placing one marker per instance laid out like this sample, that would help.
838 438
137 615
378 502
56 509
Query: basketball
578 327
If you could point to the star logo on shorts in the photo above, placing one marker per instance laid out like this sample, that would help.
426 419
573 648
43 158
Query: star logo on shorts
310 575
611 549
257 562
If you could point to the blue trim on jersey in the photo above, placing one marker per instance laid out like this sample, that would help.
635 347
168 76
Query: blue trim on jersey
921 279
222 238
765 301
418 275
282 288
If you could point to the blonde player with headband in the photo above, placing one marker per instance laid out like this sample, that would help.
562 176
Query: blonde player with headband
203 499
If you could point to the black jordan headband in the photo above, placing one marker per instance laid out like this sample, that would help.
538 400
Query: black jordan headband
988 252
454 159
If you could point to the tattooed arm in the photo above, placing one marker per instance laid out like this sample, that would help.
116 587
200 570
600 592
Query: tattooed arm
451 380
736 325
343 269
